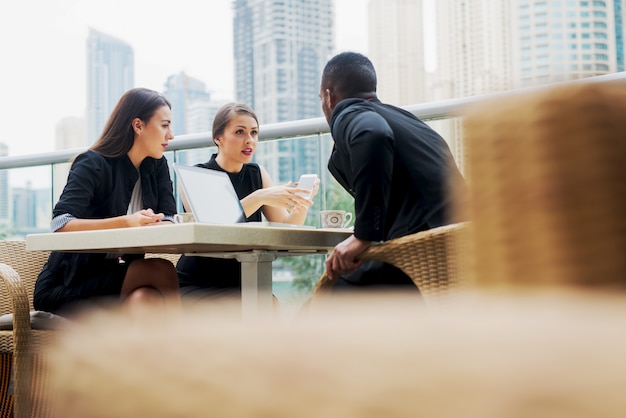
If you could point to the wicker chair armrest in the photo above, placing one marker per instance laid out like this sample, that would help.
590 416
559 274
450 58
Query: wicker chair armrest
433 246
18 296
22 358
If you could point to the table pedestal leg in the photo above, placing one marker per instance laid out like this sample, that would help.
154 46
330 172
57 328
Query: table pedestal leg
256 284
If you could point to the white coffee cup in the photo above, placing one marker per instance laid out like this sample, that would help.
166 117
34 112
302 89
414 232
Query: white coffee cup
335 218
183 217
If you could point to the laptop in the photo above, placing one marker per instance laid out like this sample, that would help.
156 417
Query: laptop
210 194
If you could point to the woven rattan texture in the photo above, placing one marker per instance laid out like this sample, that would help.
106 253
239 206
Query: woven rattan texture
19 272
39 399
547 187
6 401
173 258
42 405
428 257
27 264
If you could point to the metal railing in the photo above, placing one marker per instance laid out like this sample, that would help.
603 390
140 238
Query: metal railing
427 111
295 130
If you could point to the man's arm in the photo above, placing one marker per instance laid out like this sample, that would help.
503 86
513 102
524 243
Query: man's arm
370 145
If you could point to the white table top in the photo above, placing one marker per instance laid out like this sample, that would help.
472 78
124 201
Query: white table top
191 238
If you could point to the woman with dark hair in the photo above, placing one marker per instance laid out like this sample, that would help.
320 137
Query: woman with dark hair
121 181
235 133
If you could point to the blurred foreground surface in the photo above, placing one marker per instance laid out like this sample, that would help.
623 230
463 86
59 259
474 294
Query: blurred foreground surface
554 353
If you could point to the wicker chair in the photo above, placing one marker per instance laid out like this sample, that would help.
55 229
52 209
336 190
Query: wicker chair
19 347
428 257
173 258
548 180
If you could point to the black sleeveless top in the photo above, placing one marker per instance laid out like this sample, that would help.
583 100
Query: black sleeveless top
245 182
206 272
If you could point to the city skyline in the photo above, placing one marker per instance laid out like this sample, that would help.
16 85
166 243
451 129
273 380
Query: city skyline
110 72
481 61
47 81
277 72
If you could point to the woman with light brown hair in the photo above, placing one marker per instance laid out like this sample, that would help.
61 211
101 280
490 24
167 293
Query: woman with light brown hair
235 133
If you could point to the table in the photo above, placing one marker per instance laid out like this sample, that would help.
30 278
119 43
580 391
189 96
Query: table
255 246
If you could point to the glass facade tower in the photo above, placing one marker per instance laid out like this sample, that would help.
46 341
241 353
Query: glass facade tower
110 72
281 47
566 40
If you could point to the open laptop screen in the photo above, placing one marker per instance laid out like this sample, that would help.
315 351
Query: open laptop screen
210 194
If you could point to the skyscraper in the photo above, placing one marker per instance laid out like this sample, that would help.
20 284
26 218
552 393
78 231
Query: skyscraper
496 45
193 111
69 133
474 56
396 48
280 51
566 40
474 46
110 72
31 210
185 92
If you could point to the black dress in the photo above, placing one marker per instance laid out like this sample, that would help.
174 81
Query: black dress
198 276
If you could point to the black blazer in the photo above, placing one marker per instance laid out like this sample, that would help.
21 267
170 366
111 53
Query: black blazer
99 187
396 167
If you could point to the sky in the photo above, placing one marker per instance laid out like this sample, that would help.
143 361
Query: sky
43 54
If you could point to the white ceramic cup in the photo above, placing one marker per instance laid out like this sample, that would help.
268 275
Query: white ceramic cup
183 217
335 218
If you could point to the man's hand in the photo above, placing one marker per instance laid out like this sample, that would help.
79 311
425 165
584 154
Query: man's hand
343 258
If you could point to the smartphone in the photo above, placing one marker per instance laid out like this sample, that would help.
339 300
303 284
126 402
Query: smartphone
307 181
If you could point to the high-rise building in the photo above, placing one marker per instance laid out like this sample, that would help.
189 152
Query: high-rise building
185 92
69 133
193 111
280 50
31 210
495 45
474 46
396 48
566 40
474 56
110 72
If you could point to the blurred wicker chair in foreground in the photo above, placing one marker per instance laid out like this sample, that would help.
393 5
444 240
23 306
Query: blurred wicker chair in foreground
547 176
20 347
429 258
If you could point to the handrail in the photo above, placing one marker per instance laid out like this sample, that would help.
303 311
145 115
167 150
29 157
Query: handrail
306 127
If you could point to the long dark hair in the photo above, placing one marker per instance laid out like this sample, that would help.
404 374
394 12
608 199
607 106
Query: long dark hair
118 135
226 113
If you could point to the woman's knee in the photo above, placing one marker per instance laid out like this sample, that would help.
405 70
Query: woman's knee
155 273
162 266
144 295
154 267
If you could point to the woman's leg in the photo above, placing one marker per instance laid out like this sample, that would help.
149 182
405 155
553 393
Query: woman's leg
151 280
